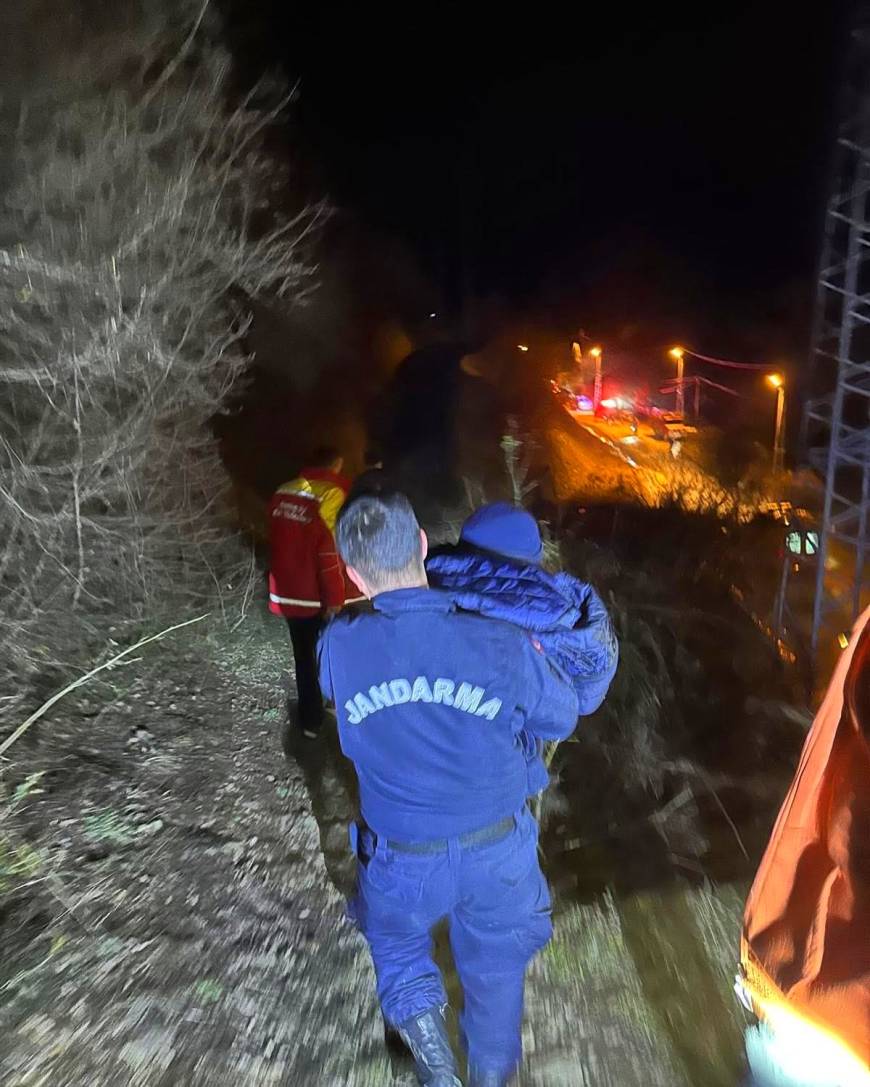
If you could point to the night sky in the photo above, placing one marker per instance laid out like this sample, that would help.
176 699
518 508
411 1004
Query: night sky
663 171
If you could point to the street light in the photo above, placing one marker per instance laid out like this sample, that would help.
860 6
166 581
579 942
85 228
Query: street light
595 352
522 347
777 381
677 353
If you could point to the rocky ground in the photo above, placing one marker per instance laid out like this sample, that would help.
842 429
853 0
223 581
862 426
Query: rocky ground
181 921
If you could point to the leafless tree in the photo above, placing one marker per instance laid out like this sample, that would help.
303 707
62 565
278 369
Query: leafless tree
140 229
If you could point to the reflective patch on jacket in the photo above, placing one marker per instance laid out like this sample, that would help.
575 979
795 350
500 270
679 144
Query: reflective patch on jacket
464 696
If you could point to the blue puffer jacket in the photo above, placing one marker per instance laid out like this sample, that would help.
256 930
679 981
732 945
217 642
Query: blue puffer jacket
567 617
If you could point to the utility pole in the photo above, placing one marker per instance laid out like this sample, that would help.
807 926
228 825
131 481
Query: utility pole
776 382
778 443
678 353
595 352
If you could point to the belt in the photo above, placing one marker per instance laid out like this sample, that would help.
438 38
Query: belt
485 836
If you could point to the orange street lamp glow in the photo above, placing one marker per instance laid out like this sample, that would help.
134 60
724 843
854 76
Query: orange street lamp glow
775 380
676 353
522 347
595 352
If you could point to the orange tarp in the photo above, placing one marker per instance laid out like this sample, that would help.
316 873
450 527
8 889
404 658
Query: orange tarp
806 931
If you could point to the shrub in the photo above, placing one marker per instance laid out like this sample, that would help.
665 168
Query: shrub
141 231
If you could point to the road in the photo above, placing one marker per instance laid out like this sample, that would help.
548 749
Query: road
636 466
638 450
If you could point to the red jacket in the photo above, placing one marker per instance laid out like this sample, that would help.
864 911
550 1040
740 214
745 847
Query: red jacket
306 573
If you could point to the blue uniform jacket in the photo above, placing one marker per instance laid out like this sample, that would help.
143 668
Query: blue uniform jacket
567 617
431 705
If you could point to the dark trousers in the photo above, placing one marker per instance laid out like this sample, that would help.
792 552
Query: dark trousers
498 904
303 637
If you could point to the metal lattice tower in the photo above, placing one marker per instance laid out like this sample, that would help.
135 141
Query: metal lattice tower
836 424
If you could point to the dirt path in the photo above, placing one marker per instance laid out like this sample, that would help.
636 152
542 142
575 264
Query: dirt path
187 923
189 933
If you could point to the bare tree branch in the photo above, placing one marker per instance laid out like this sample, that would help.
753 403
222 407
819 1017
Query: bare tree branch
46 706
125 304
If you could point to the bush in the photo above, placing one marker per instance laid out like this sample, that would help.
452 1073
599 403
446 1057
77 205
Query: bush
142 231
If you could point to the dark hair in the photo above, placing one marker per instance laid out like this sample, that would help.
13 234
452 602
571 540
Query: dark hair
324 456
378 534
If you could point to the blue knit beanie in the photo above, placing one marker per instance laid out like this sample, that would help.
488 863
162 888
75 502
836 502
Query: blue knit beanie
505 529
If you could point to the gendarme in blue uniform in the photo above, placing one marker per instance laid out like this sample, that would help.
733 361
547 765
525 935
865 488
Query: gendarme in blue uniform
430 703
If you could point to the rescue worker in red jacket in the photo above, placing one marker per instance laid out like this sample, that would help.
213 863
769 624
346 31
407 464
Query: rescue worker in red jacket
307 584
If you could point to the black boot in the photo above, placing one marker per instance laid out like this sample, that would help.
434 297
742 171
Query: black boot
426 1037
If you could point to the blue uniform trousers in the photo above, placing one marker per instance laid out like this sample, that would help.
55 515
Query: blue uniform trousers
498 906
